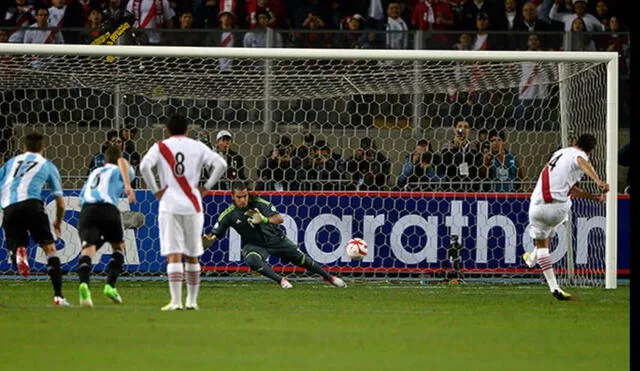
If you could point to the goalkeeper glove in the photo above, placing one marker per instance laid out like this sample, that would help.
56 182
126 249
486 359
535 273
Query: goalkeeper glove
256 217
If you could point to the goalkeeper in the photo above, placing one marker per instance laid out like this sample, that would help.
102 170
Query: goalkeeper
257 222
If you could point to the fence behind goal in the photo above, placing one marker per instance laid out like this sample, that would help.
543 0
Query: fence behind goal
76 93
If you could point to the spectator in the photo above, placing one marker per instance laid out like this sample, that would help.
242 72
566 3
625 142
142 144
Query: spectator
129 137
207 13
356 38
579 40
336 12
257 38
39 33
616 41
530 23
505 19
163 17
20 16
464 42
502 169
301 153
226 38
424 177
235 162
276 173
411 161
470 11
396 35
185 35
311 39
532 110
369 166
602 13
460 161
254 6
113 138
437 16
65 16
93 28
484 40
591 23
482 140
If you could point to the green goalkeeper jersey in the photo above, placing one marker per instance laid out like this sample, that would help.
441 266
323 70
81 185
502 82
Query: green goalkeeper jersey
260 234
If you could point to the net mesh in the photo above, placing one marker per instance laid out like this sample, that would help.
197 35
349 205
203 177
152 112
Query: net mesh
366 118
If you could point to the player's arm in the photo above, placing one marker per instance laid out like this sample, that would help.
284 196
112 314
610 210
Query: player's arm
577 192
55 184
265 213
216 165
149 161
219 229
127 178
588 169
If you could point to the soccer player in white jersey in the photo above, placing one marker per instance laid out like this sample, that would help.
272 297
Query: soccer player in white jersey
551 202
22 179
179 161
100 221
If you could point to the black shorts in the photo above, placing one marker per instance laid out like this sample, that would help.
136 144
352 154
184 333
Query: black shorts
24 219
100 223
286 250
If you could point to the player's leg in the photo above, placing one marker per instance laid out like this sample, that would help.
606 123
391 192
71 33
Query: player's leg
85 266
40 229
193 224
256 258
289 251
172 245
544 221
17 237
111 230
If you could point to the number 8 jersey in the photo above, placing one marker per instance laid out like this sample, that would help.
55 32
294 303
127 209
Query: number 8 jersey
24 176
558 176
179 161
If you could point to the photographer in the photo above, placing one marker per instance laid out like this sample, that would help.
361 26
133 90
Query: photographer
412 160
276 173
460 161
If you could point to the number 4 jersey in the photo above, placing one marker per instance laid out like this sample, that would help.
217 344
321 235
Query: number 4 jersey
24 176
104 185
179 161
558 176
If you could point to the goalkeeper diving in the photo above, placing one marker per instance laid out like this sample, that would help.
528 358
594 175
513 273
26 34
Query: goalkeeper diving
257 222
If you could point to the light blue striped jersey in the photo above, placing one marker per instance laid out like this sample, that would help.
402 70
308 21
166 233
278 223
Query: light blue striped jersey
104 185
24 176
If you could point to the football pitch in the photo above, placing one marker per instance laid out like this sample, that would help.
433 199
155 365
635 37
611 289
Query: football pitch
368 326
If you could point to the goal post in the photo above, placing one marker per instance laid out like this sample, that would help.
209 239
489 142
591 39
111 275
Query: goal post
395 97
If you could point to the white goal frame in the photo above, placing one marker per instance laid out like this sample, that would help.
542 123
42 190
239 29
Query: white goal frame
609 58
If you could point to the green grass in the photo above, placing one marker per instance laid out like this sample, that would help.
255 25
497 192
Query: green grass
368 326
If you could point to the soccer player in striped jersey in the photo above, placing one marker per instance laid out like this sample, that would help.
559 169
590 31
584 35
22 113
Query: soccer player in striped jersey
179 161
551 202
100 221
22 179
257 221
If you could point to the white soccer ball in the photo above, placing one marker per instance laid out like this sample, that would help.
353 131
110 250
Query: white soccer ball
356 248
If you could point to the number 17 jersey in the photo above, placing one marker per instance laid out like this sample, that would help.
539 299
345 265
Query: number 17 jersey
24 176
558 176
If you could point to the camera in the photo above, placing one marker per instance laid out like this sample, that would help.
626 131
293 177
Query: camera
459 132
454 260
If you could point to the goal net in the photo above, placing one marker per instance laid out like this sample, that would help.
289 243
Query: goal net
331 138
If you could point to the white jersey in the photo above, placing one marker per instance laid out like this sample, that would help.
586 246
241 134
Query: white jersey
558 176
56 16
147 16
179 161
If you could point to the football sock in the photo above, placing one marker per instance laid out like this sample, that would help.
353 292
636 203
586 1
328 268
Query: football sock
544 259
192 273
175 271
84 268
255 262
53 269
115 267
309 264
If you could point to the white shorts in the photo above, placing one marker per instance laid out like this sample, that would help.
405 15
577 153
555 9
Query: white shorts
181 234
545 218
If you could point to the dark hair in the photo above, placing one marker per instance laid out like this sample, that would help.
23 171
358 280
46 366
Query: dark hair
496 133
426 157
112 134
587 142
285 140
483 131
423 143
261 12
308 138
34 142
112 154
239 185
177 124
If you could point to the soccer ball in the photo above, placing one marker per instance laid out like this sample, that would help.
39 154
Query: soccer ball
357 248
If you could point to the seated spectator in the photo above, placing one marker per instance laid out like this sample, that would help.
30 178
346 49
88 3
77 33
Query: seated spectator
436 16
424 177
411 161
323 170
93 28
579 41
163 17
311 39
470 11
20 15
369 166
257 38
235 162
530 23
602 13
483 40
356 38
39 32
482 140
185 34
464 42
502 169
460 161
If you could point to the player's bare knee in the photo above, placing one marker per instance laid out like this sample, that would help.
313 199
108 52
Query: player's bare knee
192 259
